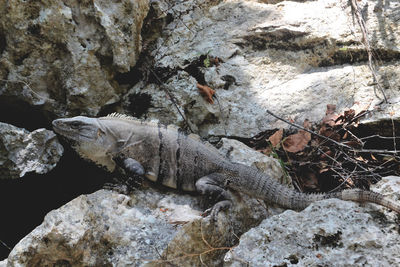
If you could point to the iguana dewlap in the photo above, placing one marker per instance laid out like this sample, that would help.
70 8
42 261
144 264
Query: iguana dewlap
167 156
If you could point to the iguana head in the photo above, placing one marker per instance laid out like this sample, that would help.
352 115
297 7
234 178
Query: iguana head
92 139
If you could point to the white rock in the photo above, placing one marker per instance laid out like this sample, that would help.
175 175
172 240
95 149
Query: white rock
327 233
290 62
22 151
98 229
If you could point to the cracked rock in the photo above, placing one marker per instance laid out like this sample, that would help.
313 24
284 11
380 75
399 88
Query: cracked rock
22 152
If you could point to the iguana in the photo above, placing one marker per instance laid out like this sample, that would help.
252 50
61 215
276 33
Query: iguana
167 156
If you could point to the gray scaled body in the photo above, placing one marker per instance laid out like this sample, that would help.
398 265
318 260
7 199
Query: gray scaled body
167 156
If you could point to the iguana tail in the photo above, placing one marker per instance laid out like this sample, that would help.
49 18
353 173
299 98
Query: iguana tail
260 185
300 201
359 195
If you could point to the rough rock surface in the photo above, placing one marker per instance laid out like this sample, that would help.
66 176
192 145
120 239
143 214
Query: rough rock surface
63 56
97 230
271 56
22 152
238 152
110 228
327 233
71 57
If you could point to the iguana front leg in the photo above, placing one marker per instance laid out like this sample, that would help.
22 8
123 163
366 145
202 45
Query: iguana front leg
131 166
214 185
134 171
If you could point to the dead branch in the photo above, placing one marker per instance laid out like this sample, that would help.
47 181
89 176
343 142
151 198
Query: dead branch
371 62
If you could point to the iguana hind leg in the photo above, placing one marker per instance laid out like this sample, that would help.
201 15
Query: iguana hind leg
214 185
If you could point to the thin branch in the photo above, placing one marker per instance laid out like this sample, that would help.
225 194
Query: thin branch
171 97
4 244
345 179
361 22
374 151
379 136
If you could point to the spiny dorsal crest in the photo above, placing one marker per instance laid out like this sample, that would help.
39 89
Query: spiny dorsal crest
121 116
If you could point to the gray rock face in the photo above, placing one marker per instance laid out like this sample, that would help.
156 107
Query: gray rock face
292 58
22 152
327 233
238 152
96 230
109 228
63 56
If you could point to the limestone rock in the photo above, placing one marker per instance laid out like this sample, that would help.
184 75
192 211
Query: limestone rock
238 152
104 228
22 152
63 56
327 233
110 228
271 56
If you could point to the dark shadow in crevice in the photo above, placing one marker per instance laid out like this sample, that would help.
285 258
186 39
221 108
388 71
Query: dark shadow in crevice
25 201
3 43
194 69
21 114
139 104
129 78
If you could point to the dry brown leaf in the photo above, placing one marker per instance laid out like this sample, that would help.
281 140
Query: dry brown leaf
361 159
276 138
206 92
296 142
265 151
331 117
330 109
324 170
307 124
329 133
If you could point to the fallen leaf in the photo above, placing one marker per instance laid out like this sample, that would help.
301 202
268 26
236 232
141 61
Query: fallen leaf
330 109
328 132
361 159
276 138
324 170
265 151
296 142
206 92
330 117
307 124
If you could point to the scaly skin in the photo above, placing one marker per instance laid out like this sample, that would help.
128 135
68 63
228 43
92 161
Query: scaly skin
167 156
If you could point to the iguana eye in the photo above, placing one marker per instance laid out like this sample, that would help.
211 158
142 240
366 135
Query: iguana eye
75 124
